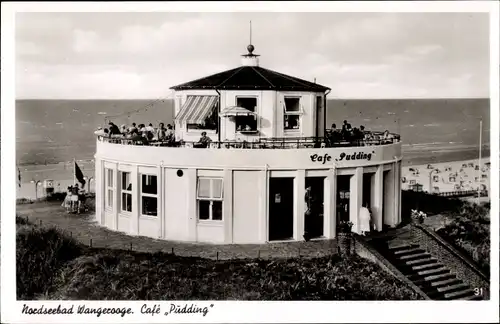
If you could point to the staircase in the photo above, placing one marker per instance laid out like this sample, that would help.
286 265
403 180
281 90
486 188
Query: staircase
434 278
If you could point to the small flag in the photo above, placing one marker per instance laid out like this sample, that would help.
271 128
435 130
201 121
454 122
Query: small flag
79 175
19 177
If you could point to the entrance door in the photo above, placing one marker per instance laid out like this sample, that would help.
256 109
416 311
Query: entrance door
280 208
313 218
367 189
343 196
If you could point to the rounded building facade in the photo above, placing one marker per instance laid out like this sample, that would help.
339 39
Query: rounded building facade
269 173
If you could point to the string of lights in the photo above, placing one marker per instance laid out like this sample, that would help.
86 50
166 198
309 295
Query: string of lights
141 109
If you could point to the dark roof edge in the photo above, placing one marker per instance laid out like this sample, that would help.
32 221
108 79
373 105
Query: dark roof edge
304 84
275 88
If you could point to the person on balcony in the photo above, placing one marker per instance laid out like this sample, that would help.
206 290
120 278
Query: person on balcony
334 135
387 137
113 129
346 131
101 132
170 131
357 134
161 133
346 127
363 131
141 128
150 128
133 130
204 141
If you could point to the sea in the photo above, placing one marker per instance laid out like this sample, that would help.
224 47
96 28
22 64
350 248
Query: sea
51 133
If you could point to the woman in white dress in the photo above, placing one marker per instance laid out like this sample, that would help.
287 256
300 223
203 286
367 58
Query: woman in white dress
67 200
364 220
74 197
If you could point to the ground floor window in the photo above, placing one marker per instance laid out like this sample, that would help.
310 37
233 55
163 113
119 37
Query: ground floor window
209 198
109 188
126 191
149 195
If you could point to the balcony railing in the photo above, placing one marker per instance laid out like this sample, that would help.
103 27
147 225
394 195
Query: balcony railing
263 143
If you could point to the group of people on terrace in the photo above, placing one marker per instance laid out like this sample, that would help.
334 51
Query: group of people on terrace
349 134
147 134
165 136
140 133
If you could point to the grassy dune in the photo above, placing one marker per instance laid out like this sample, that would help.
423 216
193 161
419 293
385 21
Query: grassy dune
51 265
470 232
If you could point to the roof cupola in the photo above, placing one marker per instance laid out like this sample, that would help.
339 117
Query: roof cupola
250 59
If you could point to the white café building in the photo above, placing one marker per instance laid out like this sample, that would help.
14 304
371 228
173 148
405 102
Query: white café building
249 185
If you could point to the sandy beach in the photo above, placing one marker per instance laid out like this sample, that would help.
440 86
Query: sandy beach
448 176
462 172
61 174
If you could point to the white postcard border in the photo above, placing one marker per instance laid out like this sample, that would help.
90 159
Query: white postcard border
370 311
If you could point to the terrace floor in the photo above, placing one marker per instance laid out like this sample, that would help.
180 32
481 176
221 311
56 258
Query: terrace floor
84 229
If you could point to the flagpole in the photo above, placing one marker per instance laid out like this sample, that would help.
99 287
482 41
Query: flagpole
74 171
480 153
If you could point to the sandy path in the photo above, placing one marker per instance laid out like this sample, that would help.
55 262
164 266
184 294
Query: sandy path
84 229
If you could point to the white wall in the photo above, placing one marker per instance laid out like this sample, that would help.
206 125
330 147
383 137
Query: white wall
246 200
176 203
245 206
124 223
149 226
210 232
109 220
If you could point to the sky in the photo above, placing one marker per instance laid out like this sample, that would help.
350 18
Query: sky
358 55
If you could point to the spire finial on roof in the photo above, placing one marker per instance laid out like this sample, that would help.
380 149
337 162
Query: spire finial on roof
250 47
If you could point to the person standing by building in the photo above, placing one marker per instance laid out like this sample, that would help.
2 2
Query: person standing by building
74 198
364 219
307 214
67 203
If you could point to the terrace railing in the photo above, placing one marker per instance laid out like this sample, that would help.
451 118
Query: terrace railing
263 143
462 193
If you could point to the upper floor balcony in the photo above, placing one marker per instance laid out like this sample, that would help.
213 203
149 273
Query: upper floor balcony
372 138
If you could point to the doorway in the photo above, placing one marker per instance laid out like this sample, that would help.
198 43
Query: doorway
315 197
343 197
367 189
280 208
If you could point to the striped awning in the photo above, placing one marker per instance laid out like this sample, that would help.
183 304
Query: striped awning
196 109
236 111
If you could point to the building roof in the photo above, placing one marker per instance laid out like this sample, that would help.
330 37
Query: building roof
251 78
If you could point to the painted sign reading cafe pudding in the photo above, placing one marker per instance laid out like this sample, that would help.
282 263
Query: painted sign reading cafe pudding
342 157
